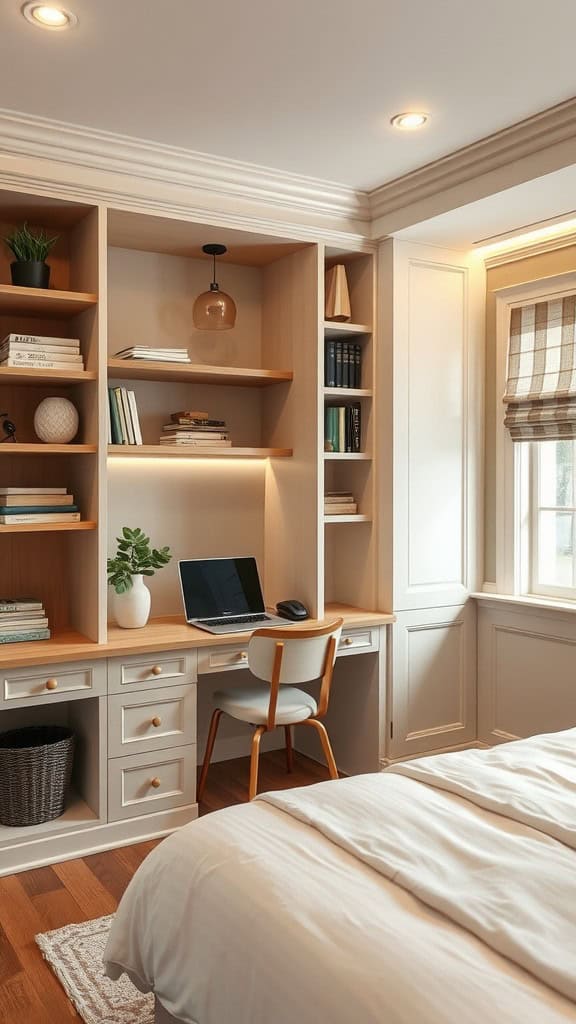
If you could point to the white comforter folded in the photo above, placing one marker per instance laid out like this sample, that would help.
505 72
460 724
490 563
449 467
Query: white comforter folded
254 916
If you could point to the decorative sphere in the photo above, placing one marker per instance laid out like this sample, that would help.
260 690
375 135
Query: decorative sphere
56 421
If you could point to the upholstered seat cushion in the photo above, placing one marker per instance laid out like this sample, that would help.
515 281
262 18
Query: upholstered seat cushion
250 704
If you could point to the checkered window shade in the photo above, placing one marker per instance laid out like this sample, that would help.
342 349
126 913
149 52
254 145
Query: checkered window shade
541 381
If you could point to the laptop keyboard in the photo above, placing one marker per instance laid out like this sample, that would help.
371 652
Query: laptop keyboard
231 621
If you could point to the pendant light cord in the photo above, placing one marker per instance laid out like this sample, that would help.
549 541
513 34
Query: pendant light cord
214 268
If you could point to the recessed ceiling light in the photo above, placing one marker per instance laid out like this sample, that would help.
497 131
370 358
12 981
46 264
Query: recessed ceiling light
49 16
409 121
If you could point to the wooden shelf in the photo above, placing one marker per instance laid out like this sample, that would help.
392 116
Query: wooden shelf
85 524
358 518
43 301
347 456
76 814
135 369
37 376
347 392
332 327
125 451
7 448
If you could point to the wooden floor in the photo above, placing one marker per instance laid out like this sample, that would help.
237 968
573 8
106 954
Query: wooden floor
78 890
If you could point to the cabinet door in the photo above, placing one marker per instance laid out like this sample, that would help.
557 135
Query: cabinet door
433 680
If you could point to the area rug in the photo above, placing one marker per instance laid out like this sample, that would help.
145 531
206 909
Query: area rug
75 955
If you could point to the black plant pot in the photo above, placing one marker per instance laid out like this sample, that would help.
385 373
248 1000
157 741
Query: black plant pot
30 274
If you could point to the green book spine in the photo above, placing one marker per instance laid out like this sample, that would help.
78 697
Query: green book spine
114 418
33 634
333 430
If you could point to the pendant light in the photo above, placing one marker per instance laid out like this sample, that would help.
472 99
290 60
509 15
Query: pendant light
214 310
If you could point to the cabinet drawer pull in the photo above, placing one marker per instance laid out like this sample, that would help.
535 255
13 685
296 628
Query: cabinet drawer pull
347 641
155 782
242 655
156 670
51 684
156 721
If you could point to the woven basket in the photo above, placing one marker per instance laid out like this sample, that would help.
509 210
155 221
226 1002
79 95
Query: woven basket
35 769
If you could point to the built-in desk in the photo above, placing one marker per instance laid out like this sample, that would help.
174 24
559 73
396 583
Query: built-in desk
132 703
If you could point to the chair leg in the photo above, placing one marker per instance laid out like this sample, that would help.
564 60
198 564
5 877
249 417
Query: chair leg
326 746
214 723
255 751
289 750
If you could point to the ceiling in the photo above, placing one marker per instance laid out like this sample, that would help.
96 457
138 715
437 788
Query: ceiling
298 86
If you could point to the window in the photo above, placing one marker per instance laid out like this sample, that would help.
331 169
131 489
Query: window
551 519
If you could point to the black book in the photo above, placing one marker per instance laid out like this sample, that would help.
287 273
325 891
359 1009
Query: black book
355 412
338 373
348 428
346 379
357 366
330 365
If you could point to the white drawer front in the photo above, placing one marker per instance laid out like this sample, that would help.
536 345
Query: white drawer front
359 641
163 717
144 783
42 685
142 671
222 659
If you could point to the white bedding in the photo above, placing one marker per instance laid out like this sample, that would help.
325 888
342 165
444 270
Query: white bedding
285 912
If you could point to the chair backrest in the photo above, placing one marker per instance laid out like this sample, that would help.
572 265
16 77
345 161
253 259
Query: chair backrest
304 652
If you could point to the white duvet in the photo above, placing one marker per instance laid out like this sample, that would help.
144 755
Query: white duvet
443 890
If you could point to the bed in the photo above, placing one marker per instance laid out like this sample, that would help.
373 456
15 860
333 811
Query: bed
442 891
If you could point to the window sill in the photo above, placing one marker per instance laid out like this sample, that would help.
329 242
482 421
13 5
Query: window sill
547 603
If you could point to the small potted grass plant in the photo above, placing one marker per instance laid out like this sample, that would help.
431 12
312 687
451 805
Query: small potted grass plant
133 560
30 249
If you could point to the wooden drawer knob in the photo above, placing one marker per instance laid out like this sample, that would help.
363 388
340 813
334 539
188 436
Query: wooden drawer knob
155 782
156 670
347 641
242 655
51 684
156 721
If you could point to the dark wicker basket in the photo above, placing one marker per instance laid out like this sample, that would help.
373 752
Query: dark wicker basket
35 769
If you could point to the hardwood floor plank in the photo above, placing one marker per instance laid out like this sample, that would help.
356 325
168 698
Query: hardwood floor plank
84 887
40 880
110 872
55 909
10 966
131 857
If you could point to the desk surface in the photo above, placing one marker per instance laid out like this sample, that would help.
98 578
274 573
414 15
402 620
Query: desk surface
168 633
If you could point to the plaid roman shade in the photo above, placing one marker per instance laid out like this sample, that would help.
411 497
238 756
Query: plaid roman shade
541 380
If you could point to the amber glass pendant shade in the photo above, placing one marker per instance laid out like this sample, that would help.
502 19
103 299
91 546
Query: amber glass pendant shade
214 310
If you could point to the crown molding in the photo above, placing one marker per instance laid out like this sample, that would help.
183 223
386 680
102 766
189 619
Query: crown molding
523 252
551 127
46 139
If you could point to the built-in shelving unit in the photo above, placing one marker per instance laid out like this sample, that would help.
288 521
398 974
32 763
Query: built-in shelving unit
84 524
347 393
43 301
37 448
146 451
347 457
334 328
37 377
357 518
132 369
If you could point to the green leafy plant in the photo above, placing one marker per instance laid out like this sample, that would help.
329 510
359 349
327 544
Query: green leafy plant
27 246
134 556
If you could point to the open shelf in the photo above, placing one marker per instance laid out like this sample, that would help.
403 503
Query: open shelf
358 518
134 369
37 376
43 301
7 448
347 392
333 327
183 452
347 457
77 813
86 524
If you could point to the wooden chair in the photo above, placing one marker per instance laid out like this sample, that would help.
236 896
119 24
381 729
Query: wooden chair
282 657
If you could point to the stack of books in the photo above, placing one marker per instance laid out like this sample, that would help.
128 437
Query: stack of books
342 428
22 619
342 364
340 503
162 355
41 353
195 430
20 505
123 421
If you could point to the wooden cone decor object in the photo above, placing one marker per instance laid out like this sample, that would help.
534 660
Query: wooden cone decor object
337 302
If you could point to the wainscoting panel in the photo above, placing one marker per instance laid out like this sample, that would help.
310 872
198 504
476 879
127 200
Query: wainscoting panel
526 672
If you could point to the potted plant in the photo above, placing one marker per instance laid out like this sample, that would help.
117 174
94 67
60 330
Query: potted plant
133 560
29 269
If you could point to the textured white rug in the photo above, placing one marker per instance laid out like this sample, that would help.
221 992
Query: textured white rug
75 955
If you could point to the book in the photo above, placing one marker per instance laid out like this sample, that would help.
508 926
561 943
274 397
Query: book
11 510
32 490
115 425
23 625
35 499
36 634
20 604
357 366
44 517
338 373
341 510
341 428
183 442
356 434
35 339
122 415
147 350
330 364
50 364
338 498
193 415
39 355
135 418
127 415
18 617
199 435
161 355
205 425
345 364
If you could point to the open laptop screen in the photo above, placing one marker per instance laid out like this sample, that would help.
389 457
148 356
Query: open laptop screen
212 587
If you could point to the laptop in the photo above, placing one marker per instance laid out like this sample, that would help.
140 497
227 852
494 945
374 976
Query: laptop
223 595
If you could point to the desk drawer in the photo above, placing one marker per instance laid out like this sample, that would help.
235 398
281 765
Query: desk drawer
359 641
222 659
144 783
154 720
143 671
52 683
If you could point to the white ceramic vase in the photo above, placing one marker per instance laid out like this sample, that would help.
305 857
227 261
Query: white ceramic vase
131 609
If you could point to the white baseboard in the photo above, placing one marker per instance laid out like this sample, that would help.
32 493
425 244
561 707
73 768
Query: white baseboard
386 761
